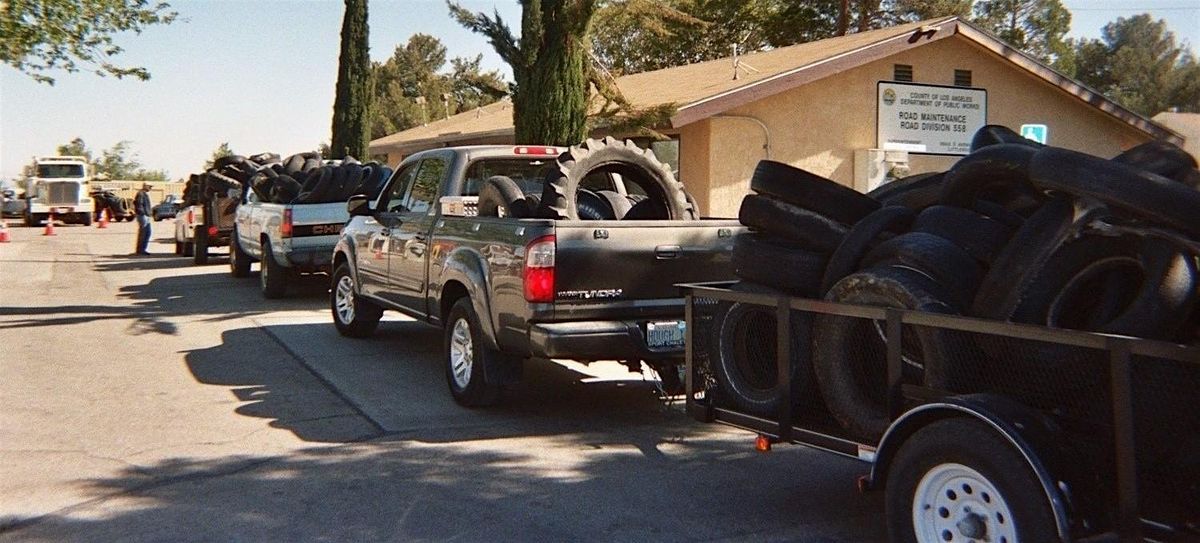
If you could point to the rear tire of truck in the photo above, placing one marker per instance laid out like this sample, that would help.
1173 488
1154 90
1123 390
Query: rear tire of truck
178 248
957 480
200 249
353 315
466 358
188 248
239 261
85 219
272 278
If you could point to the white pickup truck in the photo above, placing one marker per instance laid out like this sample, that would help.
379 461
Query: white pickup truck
288 239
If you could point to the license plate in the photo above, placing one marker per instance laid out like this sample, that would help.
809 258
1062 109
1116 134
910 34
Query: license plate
665 334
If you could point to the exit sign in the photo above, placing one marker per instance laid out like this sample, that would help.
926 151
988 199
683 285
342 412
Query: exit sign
1035 132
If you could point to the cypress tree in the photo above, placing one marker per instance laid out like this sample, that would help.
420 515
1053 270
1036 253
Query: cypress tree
352 103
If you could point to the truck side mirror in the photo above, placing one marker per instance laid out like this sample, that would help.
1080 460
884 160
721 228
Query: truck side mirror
358 205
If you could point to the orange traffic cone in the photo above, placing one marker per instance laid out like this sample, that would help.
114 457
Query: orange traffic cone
4 231
103 221
49 226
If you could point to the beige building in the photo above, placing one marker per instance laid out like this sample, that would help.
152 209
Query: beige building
850 108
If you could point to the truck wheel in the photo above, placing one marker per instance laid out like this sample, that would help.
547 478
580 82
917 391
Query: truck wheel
188 248
811 191
466 355
956 480
239 261
272 277
200 251
352 315
178 248
85 219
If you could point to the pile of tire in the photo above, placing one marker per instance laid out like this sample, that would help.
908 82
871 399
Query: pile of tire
1015 231
305 178
661 197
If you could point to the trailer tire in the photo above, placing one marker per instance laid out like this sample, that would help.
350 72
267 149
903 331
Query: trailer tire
980 236
467 357
995 173
500 197
1162 158
636 165
353 315
200 246
778 218
955 475
936 257
778 264
860 239
853 381
811 191
239 261
915 192
746 368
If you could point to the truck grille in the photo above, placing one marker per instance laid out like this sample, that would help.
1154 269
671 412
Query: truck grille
62 194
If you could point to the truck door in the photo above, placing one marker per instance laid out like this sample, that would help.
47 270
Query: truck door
372 246
408 256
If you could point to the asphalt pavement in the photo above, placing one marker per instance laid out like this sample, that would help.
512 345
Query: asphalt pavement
145 398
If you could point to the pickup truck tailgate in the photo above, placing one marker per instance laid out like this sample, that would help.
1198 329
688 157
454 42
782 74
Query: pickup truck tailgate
615 261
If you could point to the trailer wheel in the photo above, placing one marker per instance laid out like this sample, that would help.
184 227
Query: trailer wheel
353 315
200 249
466 356
956 480
272 277
239 261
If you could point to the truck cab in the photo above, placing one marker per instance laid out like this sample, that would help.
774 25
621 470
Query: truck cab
59 188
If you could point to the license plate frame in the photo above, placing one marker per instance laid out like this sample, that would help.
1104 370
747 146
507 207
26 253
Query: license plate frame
666 335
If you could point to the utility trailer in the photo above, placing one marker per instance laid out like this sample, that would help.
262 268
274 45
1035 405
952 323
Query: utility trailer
1041 434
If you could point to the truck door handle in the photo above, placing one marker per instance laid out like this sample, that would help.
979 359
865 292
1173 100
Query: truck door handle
667 252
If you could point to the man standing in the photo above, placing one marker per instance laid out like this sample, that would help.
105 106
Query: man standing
141 207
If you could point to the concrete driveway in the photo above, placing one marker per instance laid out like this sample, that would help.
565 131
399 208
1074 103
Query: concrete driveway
147 399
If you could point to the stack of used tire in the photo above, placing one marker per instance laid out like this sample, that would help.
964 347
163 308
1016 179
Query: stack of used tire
562 196
305 178
1015 232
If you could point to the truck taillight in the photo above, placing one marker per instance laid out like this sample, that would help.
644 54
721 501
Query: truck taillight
539 270
213 231
191 217
285 229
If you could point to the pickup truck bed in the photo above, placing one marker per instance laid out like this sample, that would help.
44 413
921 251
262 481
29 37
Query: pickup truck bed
288 239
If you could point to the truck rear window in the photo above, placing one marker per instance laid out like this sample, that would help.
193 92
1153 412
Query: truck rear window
54 171
527 173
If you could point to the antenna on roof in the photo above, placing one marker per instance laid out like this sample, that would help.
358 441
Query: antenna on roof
739 65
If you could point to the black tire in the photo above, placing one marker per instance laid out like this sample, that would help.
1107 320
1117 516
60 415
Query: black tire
374 176
472 386
1132 286
353 180
220 184
178 248
811 191
936 257
86 219
264 159
272 277
286 190
591 207
227 160
353 315
311 178
499 197
778 218
1151 197
745 364
994 134
1024 255
966 442
778 264
997 172
635 165
916 191
980 236
864 235
293 164
645 210
324 186
200 246
849 354
310 164
239 261
189 248
1162 158
619 205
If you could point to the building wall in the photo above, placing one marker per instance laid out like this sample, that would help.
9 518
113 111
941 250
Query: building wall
818 126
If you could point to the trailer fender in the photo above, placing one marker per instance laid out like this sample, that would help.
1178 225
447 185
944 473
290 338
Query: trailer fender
466 268
1029 432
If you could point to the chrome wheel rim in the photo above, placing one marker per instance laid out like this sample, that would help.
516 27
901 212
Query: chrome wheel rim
462 356
343 299
956 503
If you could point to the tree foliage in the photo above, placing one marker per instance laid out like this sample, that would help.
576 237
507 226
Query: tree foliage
413 87
1138 63
39 36
117 162
352 102
222 150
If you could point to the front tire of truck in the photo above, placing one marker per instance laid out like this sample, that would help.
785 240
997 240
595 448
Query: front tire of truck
957 480
466 358
200 249
353 315
239 261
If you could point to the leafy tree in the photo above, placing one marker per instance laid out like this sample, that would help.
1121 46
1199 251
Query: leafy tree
352 103
1036 27
37 36
549 62
1138 63
920 10
222 150
412 87
75 148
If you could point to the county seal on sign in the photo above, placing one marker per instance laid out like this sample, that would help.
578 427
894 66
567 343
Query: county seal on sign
889 96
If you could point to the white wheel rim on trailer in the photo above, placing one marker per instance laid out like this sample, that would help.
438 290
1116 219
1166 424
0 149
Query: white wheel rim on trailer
958 504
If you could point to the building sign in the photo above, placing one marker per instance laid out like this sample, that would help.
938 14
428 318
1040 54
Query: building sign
1035 132
928 118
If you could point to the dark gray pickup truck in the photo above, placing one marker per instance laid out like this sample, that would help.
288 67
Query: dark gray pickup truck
507 289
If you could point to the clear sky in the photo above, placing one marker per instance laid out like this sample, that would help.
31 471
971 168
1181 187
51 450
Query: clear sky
260 75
